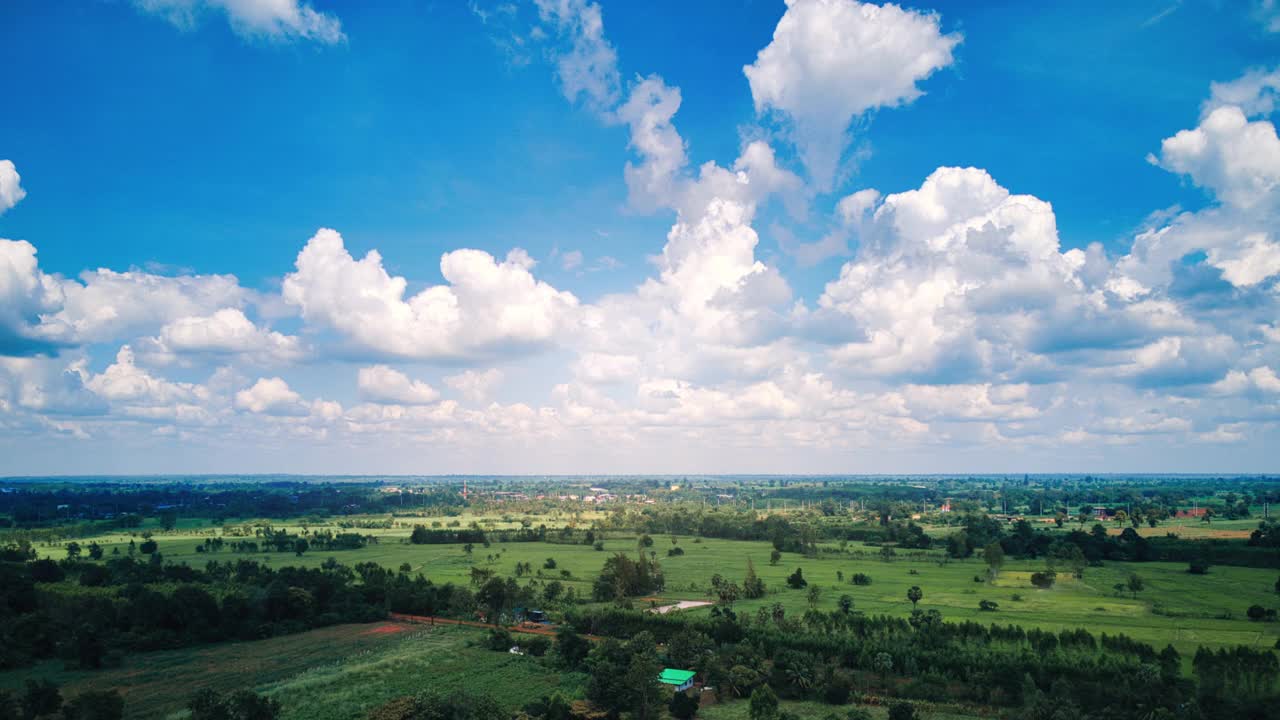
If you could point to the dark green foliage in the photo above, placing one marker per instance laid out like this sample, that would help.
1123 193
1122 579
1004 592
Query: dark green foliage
435 705
860 579
571 648
1044 580
764 704
902 711
40 698
95 705
536 645
796 580
988 605
499 639
683 705
237 705
624 577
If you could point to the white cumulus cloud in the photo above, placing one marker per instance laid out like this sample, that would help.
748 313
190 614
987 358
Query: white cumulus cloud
387 386
830 61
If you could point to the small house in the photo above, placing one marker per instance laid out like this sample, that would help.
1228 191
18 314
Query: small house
679 680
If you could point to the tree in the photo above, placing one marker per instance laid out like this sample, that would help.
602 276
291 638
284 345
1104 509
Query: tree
683 706
994 555
148 546
646 541
237 705
882 663
168 520
815 594
775 556
1134 584
95 705
796 580
1044 580
915 594
300 546
549 564
846 604
752 586
1256 613
988 605
73 550
40 698
764 704
902 711
571 648
95 551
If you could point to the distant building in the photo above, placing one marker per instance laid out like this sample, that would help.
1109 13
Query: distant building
679 680
1192 513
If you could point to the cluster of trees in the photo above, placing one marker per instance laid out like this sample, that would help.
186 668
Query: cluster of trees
42 698
836 656
88 613
622 577
422 535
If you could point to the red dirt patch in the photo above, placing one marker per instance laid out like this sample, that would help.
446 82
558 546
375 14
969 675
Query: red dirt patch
386 629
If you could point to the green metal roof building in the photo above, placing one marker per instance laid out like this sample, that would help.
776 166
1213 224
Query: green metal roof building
677 679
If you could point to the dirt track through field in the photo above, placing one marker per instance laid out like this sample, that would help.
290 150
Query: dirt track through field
527 628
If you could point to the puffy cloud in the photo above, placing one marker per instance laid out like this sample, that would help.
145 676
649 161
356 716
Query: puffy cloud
488 308
475 385
587 65
271 396
1237 159
386 386
125 381
1255 92
272 19
226 332
11 192
44 386
830 61
25 294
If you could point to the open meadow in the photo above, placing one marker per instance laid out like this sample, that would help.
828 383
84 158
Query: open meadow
1174 607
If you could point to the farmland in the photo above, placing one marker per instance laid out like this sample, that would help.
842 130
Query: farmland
1175 607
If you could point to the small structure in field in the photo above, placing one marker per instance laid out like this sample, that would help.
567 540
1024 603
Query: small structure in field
679 680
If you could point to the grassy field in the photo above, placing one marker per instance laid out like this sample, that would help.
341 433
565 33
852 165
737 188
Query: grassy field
740 710
328 674
1175 607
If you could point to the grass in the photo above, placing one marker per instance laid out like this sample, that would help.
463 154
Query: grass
1175 608
808 710
328 674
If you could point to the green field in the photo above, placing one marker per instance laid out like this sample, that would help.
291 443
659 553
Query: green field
328 674
1175 607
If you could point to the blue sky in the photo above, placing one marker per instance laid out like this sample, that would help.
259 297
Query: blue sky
193 148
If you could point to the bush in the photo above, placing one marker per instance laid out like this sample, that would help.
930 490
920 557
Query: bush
683 706
1198 567
1044 580
838 690
500 640
1016 597
988 605
902 711
860 579
238 705
675 551
537 646
796 580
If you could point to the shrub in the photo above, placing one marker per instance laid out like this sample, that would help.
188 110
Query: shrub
675 551
537 646
1016 597
988 605
860 579
1044 580
796 580
499 639
902 711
